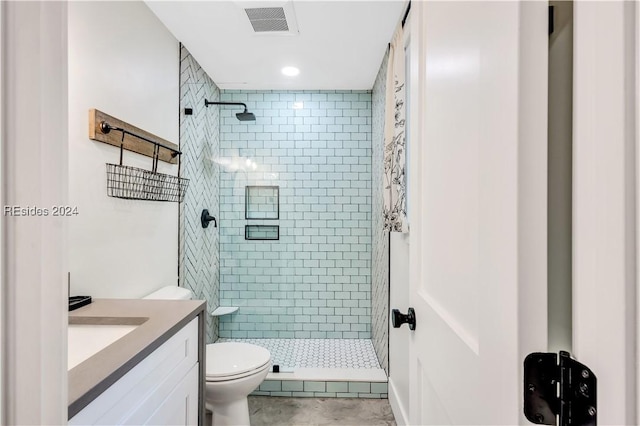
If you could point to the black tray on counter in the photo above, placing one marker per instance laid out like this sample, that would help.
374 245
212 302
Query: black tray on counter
76 302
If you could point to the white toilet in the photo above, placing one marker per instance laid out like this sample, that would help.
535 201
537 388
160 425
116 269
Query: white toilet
234 370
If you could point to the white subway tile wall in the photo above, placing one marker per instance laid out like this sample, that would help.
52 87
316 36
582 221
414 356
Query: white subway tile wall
380 239
315 281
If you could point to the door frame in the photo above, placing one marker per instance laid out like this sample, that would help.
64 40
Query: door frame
2 245
34 171
3 283
605 202
637 207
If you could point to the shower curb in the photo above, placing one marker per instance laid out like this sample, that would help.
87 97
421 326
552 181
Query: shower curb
323 389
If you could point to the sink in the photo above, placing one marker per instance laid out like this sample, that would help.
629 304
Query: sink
88 336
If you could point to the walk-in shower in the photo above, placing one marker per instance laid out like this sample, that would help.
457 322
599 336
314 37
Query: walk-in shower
292 192
301 180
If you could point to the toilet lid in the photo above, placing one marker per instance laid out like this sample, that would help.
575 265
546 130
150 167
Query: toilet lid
234 358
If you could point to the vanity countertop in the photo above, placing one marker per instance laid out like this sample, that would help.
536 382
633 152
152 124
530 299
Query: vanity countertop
156 321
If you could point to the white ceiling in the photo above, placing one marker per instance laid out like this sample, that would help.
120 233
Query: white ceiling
340 43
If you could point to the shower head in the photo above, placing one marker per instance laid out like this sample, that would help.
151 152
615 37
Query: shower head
242 116
246 116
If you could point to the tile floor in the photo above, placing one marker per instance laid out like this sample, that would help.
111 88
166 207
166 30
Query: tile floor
318 353
269 411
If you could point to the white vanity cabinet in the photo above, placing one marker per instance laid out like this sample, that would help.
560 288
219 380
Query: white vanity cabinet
162 389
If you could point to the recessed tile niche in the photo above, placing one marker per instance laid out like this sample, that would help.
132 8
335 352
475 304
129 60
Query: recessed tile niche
261 232
262 202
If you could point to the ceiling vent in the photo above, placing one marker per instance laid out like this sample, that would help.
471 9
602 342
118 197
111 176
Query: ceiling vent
275 18
267 19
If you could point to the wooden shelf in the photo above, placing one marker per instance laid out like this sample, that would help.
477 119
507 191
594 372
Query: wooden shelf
130 143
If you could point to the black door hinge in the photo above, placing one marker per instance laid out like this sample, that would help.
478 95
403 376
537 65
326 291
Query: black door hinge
559 391
551 20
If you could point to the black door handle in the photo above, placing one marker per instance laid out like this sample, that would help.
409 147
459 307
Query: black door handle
397 318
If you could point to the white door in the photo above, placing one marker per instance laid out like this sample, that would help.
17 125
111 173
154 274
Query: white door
478 207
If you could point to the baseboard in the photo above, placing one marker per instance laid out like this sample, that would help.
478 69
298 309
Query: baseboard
402 418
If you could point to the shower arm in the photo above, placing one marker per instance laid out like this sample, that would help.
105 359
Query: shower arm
207 103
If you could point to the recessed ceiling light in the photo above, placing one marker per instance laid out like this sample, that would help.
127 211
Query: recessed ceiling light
290 71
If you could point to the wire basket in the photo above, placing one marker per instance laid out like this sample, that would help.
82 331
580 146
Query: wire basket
133 183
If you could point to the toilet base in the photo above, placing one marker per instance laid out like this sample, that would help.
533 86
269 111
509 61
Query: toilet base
235 413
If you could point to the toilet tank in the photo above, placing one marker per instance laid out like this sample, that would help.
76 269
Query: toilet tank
171 292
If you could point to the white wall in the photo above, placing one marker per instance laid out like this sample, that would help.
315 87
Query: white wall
559 187
399 337
124 62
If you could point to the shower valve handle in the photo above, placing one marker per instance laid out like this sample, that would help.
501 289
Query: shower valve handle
205 218
398 318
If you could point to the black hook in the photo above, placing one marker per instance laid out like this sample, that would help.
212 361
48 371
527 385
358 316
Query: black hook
105 127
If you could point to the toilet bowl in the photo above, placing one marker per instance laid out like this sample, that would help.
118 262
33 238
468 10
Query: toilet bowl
234 370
